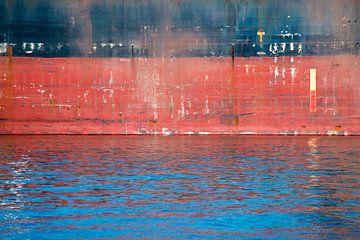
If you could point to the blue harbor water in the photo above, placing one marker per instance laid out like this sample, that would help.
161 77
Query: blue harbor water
179 187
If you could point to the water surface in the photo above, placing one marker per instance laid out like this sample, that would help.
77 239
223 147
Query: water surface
179 187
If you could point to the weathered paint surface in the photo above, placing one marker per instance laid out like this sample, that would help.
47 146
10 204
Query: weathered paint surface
180 67
180 95
179 28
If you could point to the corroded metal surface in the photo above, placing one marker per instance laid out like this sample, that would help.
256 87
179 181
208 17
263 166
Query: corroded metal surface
179 28
180 67
259 95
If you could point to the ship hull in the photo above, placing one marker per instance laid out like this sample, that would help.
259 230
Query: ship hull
193 95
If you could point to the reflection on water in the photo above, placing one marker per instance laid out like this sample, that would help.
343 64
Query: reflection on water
101 187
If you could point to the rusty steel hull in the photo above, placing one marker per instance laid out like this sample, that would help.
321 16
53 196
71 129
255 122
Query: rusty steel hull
214 95
180 67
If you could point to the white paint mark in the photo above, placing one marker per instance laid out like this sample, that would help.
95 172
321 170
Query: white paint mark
189 103
274 48
109 91
207 110
299 48
292 47
276 71
57 105
283 73
41 91
3 47
287 34
155 115
166 132
28 47
86 93
248 133
189 133
39 46
292 72
172 106
59 46
111 78
182 110
283 47
203 133
332 133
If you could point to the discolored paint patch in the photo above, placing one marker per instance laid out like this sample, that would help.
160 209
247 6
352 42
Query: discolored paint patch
185 28
180 66
180 96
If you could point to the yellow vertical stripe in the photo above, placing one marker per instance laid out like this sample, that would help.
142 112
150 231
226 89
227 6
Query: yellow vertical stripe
313 79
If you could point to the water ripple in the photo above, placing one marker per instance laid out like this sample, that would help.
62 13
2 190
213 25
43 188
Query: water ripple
101 187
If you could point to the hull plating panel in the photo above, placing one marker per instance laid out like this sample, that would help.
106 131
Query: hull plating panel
215 95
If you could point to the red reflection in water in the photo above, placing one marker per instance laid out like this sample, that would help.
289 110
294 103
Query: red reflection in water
157 177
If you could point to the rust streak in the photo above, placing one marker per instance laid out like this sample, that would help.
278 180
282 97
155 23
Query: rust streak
8 92
233 100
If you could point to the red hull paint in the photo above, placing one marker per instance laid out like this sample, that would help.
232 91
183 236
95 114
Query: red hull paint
180 95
